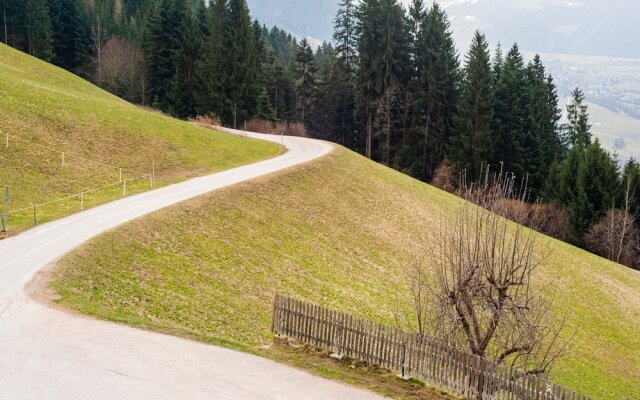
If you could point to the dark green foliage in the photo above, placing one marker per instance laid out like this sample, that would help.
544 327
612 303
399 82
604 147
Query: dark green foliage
587 183
511 134
188 51
471 144
70 34
164 38
305 80
578 129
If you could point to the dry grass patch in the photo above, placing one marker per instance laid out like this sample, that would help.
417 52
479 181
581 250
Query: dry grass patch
338 232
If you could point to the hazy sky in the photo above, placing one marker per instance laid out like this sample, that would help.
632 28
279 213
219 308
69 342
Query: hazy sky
591 27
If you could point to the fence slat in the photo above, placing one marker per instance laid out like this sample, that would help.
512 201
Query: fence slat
397 350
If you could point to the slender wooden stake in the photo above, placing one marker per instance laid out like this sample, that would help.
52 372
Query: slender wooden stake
5 209
124 188
120 173
81 200
35 216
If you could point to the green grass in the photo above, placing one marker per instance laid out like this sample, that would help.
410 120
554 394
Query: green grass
47 111
339 232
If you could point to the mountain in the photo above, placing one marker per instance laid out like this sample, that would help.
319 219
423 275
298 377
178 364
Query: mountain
311 19
591 27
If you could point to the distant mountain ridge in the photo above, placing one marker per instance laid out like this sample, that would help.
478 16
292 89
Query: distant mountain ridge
588 27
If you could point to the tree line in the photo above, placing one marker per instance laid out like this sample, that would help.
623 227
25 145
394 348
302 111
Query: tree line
391 86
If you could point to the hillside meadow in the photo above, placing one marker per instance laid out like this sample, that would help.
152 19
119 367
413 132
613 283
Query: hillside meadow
340 232
46 111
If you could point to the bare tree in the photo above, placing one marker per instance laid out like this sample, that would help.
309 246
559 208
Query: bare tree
475 288
123 68
98 37
615 236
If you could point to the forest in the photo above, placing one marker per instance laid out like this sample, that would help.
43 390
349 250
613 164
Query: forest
391 86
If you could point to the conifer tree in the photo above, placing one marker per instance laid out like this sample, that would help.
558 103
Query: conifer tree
578 129
213 67
342 81
188 51
471 145
438 87
512 135
69 34
239 48
160 48
38 29
305 80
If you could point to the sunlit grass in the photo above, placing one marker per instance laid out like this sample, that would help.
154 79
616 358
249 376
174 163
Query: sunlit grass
339 232
47 111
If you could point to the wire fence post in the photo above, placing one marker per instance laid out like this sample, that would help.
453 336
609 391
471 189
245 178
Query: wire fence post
124 188
5 209
153 173
35 215
81 200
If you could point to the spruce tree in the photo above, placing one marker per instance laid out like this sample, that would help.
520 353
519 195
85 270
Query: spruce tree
471 145
305 80
182 96
437 90
38 29
342 81
239 48
578 129
512 135
70 37
163 42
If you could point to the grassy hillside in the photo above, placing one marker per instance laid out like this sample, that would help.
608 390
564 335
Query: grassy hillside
47 111
338 232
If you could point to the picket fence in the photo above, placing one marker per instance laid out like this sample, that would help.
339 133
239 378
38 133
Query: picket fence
409 354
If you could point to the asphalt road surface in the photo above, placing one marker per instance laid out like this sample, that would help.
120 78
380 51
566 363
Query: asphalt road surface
50 354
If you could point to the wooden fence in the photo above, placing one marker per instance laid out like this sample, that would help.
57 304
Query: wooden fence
410 354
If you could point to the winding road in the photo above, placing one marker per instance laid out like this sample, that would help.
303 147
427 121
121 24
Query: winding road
49 354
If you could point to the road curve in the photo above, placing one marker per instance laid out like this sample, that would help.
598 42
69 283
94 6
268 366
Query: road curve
49 354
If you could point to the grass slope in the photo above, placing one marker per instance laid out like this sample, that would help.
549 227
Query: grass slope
338 232
47 111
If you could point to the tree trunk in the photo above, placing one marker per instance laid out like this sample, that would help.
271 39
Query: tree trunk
369 136
235 115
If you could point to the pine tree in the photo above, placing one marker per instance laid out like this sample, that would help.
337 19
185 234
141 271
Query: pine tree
305 80
471 147
213 67
160 48
578 129
438 89
512 135
342 80
70 36
39 29
239 47
184 85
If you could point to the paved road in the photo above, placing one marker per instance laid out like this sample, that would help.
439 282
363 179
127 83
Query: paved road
49 354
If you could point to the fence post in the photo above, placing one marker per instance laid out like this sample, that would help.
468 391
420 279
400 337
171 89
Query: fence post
405 367
81 200
35 216
120 174
5 209
339 355
124 188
